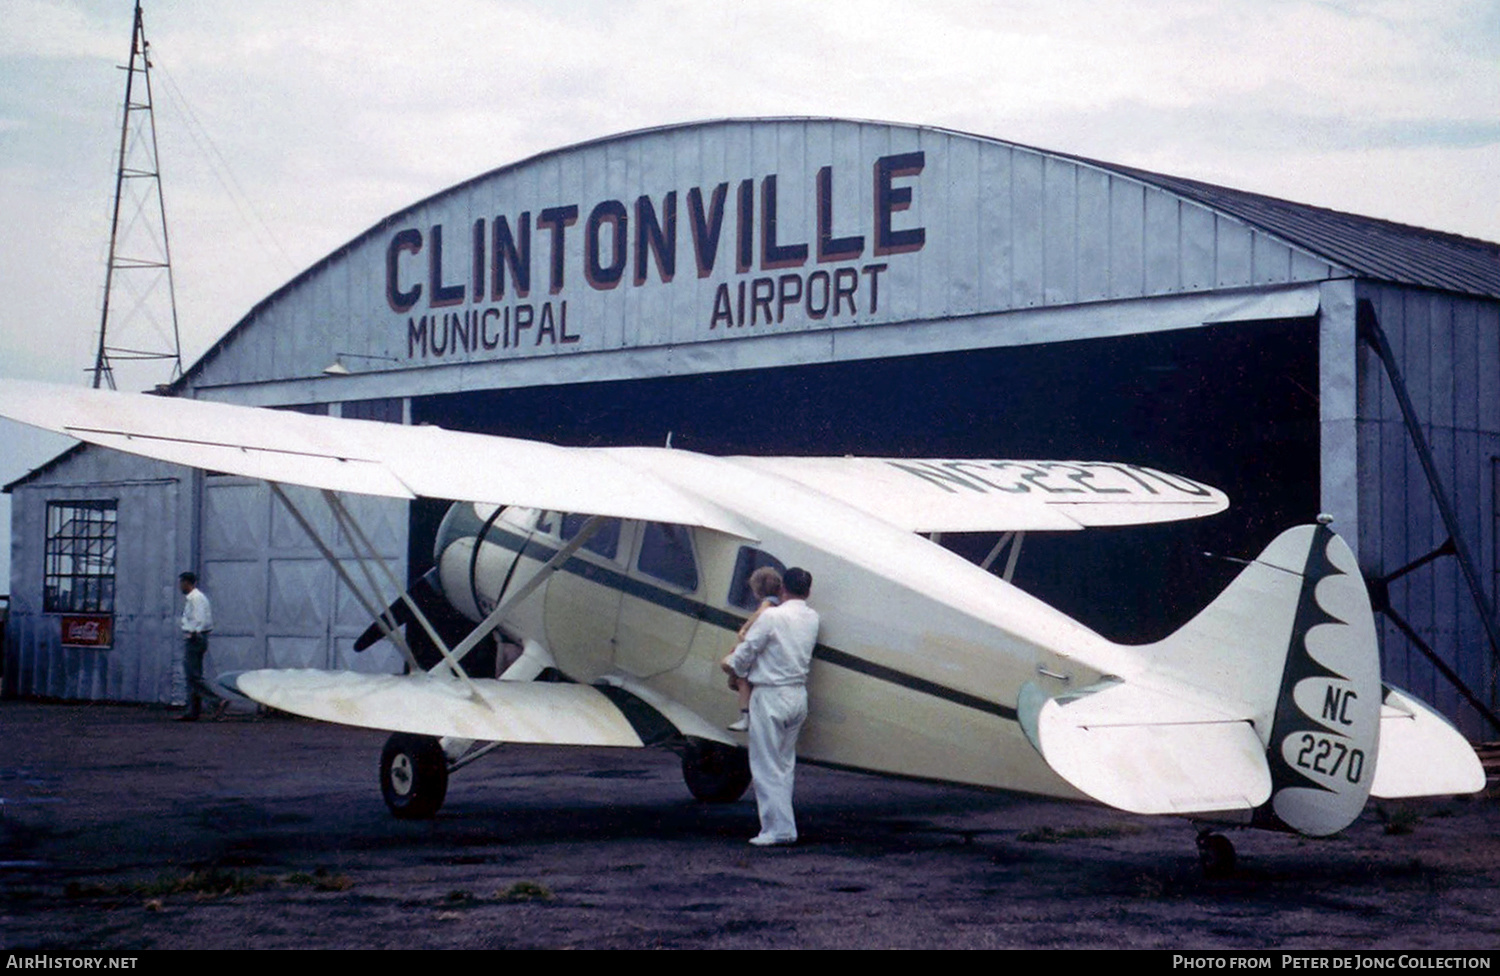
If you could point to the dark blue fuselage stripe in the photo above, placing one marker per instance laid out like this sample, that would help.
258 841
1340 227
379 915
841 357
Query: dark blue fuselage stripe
881 672
677 603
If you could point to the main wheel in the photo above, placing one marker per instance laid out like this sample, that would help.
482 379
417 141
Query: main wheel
413 775
714 772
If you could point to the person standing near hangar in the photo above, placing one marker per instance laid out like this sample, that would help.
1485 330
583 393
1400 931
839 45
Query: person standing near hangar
197 621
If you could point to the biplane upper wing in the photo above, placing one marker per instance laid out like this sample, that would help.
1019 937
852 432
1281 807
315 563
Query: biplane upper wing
394 460
364 457
937 495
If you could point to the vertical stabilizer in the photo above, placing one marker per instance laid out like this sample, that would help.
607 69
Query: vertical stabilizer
1293 639
1325 737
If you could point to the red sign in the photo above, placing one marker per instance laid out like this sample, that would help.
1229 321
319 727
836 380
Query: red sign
93 630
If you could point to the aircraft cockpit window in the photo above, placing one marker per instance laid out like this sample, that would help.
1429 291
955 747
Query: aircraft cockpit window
605 541
667 554
748 561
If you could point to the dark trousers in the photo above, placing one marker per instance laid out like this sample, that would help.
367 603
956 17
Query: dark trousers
194 647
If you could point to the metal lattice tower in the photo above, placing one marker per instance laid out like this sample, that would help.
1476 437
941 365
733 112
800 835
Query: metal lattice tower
140 256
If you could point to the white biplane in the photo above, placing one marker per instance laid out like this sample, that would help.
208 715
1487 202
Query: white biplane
615 578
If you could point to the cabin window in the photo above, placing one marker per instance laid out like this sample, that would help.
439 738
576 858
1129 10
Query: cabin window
605 541
546 522
748 561
79 575
667 554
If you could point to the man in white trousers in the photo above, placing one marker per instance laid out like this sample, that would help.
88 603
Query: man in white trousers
775 657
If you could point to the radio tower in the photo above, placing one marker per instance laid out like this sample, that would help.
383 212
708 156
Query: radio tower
140 256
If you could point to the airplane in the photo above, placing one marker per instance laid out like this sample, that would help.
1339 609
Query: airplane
608 583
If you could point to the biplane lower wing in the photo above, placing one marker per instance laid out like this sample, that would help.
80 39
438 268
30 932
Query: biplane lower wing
551 713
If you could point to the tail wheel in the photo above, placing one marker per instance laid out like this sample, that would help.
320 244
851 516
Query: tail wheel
714 772
1215 855
413 776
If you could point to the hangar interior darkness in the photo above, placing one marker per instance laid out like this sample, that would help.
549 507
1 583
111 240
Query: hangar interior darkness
1232 406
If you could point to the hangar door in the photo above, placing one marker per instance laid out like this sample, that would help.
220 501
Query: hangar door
276 602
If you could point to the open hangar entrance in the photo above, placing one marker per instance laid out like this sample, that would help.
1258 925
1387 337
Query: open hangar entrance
1234 406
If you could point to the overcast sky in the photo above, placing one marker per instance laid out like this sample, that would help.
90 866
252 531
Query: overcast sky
287 128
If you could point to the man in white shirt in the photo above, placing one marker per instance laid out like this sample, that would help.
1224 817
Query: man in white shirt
197 621
775 657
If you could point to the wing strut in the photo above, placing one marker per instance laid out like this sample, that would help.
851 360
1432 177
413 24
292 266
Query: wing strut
365 550
387 626
1012 539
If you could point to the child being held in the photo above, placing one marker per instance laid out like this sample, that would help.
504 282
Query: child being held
765 584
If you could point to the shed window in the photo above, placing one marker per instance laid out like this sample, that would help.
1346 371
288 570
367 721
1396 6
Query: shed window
80 558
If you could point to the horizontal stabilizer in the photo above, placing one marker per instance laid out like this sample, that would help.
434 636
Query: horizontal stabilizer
1148 752
510 711
1420 753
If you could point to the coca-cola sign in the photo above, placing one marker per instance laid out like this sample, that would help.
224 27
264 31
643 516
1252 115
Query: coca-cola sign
87 630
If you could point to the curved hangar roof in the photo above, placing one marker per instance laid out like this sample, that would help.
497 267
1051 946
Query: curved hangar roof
678 237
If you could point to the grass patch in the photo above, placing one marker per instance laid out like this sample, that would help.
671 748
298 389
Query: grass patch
523 891
320 879
205 884
208 883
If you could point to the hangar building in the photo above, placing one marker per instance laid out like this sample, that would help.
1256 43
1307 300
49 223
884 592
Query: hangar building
823 286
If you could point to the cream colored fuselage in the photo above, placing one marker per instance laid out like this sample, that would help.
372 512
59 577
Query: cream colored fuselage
921 655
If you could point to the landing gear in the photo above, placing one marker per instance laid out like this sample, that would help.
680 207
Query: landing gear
714 772
413 776
1215 854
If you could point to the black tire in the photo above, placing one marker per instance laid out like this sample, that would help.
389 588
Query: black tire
413 776
714 772
1216 855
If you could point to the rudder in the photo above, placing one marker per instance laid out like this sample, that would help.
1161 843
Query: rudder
1324 740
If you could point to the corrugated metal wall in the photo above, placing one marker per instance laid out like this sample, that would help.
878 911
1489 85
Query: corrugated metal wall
152 546
1448 351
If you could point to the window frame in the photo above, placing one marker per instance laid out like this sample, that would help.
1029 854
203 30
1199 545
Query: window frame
80 556
680 581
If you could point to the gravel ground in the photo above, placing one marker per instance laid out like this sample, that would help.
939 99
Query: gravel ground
120 829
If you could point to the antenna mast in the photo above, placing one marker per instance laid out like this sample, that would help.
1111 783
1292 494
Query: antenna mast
137 181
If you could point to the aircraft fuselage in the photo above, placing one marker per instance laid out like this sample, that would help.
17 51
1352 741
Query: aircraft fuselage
920 658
